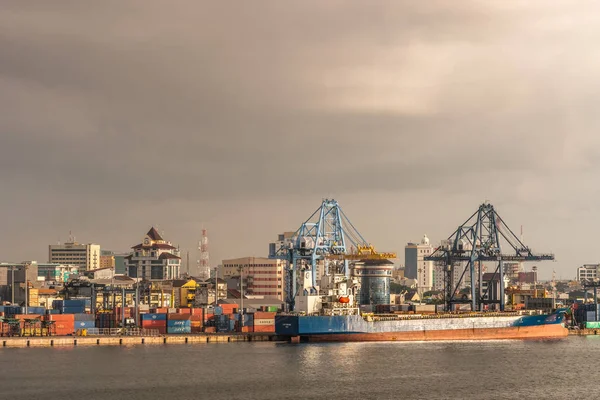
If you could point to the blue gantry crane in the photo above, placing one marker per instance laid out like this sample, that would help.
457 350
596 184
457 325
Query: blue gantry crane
326 237
484 237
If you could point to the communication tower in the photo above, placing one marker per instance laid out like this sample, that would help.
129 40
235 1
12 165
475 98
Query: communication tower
203 263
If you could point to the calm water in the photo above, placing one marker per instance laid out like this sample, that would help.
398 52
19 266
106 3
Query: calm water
444 370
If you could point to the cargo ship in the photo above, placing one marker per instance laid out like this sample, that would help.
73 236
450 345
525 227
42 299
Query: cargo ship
438 327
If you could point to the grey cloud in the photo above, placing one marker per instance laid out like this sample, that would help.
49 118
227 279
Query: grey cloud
118 115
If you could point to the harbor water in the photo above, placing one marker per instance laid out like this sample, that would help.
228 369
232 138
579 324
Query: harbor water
556 369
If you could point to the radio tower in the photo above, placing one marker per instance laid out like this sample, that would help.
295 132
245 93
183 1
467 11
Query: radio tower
203 263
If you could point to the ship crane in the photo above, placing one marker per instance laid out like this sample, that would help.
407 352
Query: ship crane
483 237
326 238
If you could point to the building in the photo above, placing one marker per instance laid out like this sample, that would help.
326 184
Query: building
415 265
155 259
107 259
14 278
261 276
439 279
58 273
587 272
121 263
102 273
86 256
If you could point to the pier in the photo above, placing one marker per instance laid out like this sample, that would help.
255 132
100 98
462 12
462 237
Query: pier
72 341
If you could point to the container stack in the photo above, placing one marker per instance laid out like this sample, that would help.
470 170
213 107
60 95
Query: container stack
64 323
179 323
106 320
264 322
69 306
196 320
84 321
154 321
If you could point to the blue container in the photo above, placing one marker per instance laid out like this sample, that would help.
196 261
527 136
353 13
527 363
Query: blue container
85 324
73 310
74 303
218 310
248 319
85 317
12 310
158 317
52 312
232 325
179 329
56 304
174 323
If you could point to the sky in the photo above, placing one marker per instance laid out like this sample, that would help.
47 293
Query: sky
240 117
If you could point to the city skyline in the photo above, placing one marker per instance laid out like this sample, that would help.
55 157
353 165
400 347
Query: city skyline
241 118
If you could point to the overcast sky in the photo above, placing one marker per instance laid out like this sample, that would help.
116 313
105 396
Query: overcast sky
241 116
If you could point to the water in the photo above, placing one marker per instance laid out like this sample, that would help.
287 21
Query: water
444 370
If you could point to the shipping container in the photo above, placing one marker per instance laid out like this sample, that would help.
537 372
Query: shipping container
218 310
264 315
179 317
157 317
197 311
209 329
84 324
171 323
264 322
179 329
84 317
264 328
228 308
184 311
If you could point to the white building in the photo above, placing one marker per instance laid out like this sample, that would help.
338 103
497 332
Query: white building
85 256
439 275
587 272
155 259
415 265
57 272
261 276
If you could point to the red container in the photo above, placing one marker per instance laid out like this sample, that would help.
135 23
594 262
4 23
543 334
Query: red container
209 317
153 323
196 311
196 317
247 329
264 328
264 315
210 329
229 308
184 311
64 323
179 317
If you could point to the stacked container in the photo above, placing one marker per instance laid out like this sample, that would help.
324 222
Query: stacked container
179 323
69 306
84 321
196 320
105 320
264 322
64 323
154 321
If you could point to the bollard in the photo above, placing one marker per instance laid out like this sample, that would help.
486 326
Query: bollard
120 341
143 340
97 341
186 340
164 340
74 342
51 342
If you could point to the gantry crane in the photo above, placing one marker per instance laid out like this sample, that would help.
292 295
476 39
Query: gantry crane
327 237
484 237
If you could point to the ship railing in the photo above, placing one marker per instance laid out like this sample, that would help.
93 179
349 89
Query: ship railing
402 317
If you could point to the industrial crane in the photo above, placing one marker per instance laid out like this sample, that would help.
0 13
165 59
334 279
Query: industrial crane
484 237
324 238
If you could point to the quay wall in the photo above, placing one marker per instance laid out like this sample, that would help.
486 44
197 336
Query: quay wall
71 341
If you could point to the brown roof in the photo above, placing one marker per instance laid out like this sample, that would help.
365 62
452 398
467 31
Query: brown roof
168 255
154 235
154 246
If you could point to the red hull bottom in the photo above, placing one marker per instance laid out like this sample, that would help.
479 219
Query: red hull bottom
530 332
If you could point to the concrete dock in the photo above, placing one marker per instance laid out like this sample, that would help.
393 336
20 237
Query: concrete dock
62 341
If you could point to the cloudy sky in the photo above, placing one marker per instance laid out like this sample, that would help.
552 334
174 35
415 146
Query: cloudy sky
241 116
